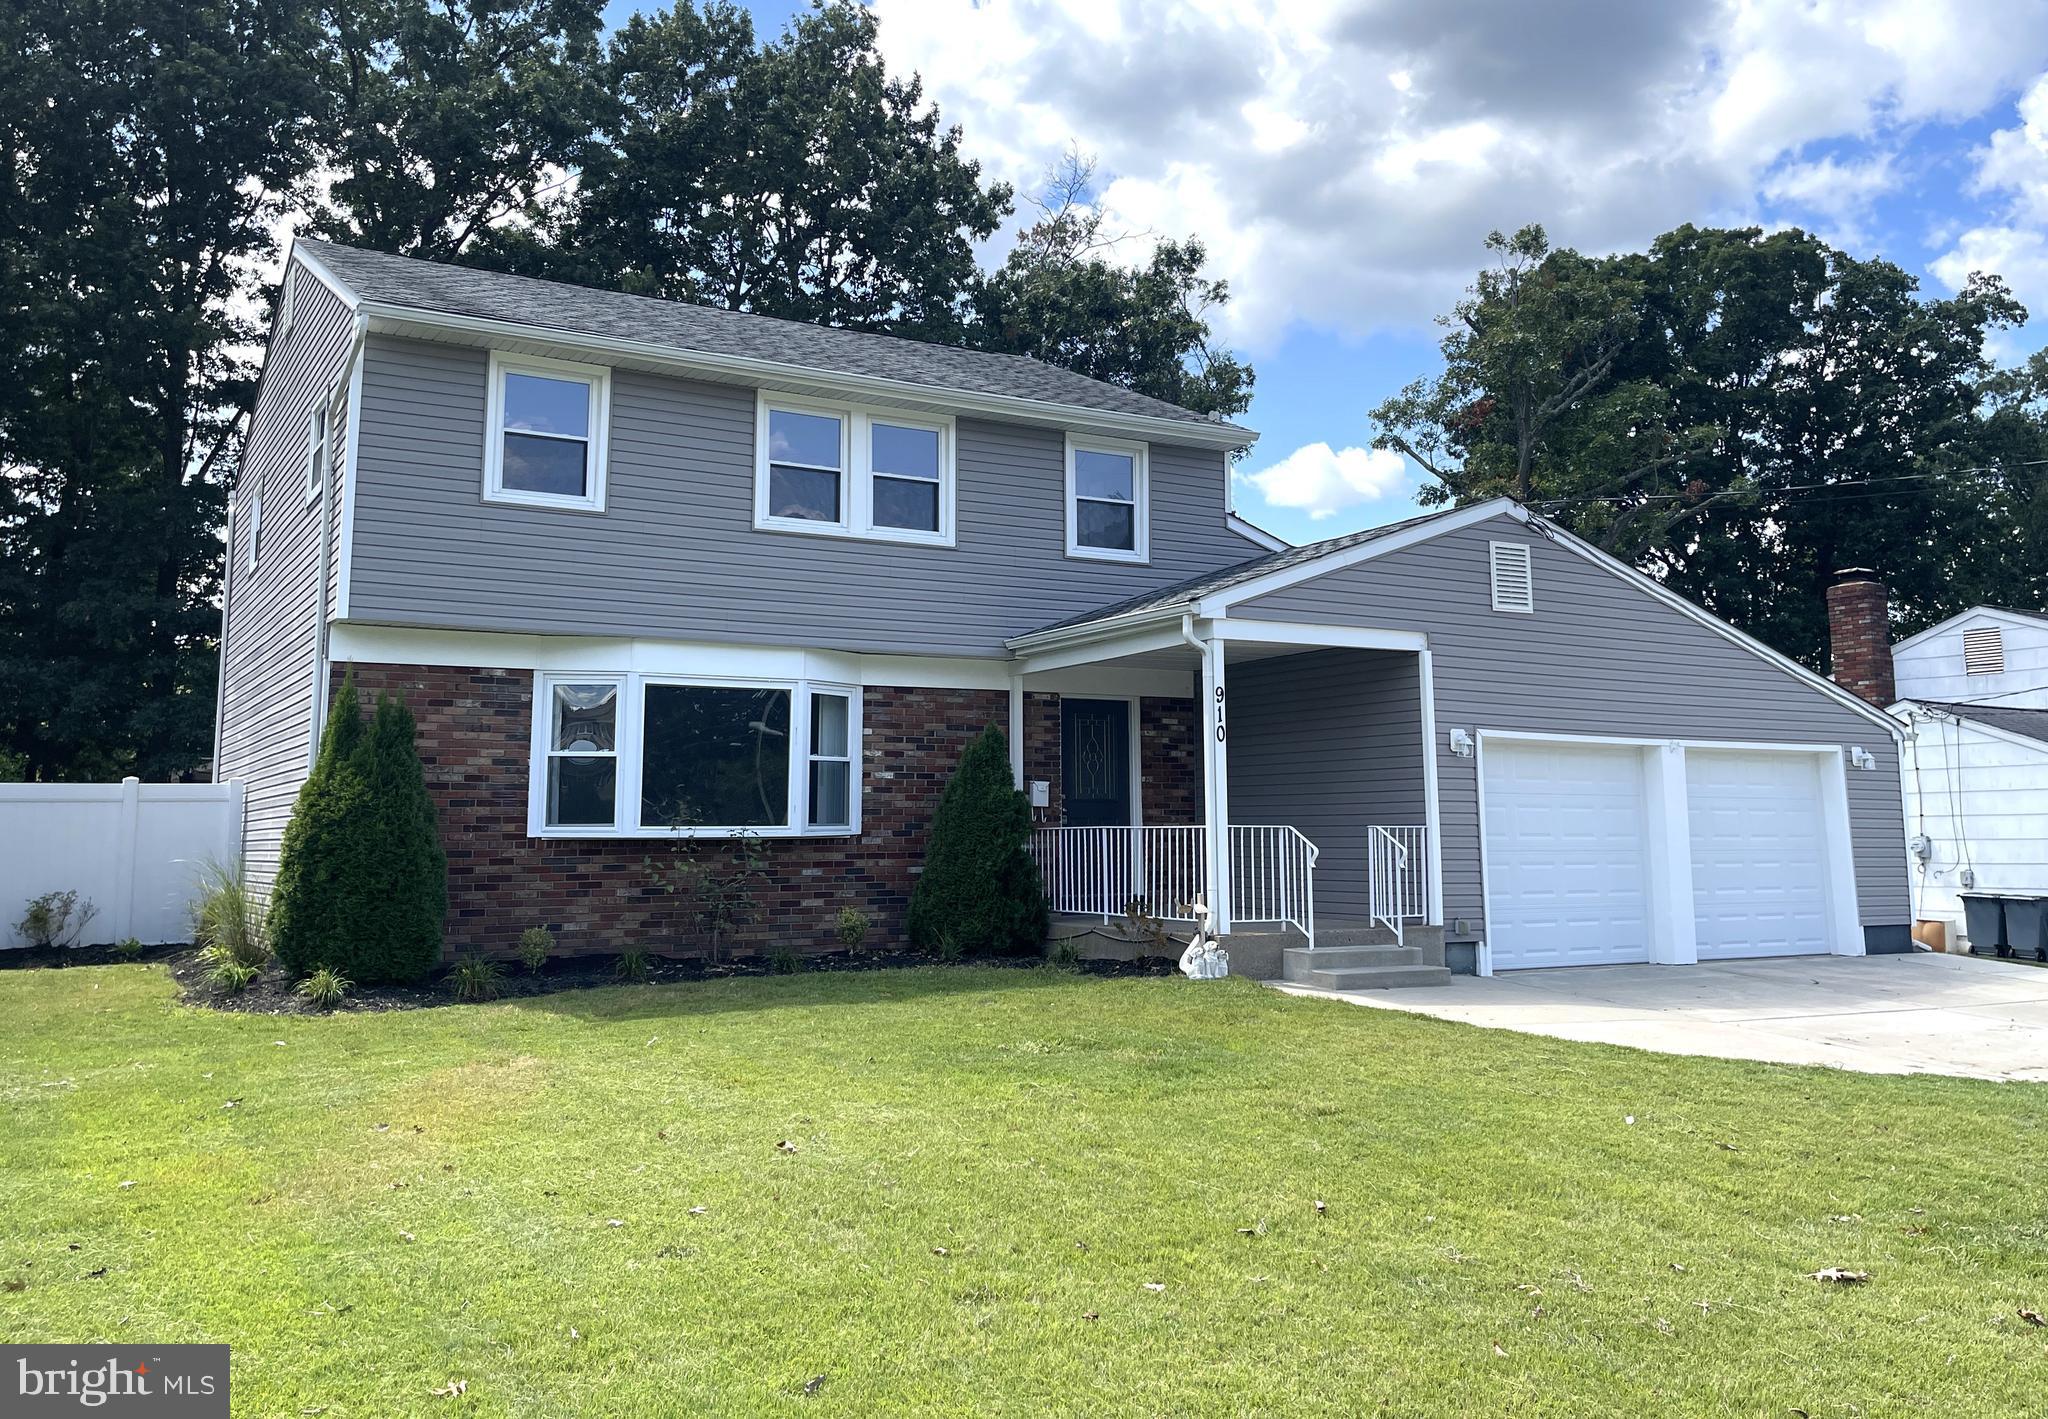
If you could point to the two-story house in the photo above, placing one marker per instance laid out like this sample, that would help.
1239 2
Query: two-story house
648 571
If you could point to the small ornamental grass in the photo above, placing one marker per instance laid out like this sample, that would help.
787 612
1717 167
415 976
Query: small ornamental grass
631 965
475 978
785 961
231 977
325 988
228 919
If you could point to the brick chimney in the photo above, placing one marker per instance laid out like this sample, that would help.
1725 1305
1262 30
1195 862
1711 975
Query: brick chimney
1860 636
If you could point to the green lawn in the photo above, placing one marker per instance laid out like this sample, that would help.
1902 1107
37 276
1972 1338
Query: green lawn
989 1167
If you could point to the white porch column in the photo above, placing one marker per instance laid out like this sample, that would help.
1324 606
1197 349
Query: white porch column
1017 730
1433 825
1674 932
1216 781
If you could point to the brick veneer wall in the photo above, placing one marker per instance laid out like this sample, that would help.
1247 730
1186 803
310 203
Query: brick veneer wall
475 729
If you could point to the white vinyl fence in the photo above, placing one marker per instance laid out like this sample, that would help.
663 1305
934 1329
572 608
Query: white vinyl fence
134 849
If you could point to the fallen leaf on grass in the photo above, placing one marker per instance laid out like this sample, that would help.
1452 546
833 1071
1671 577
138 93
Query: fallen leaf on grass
1725 1146
14 1284
74 1246
941 1251
1678 1266
1528 1290
129 1183
405 1235
454 1389
814 1384
1839 1275
1498 1351
699 1210
2031 1316
785 1146
96 1273
574 1333
1257 1229
381 1128
231 1103
613 1222
1320 1207
1091 1315
1155 1285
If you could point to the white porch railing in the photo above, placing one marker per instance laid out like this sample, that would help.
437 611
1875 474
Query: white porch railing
1410 888
1386 867
1101 871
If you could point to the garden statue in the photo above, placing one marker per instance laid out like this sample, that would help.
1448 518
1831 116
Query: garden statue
1204 959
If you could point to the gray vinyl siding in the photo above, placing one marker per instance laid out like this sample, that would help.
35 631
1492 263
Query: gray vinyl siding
675 553
1598 656
1286 713
267 651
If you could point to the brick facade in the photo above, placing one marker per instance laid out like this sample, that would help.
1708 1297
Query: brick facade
475 729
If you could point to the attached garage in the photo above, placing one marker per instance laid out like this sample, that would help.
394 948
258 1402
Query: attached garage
1615 852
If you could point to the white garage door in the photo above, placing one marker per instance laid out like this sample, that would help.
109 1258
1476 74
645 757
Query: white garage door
1566 861
1759 854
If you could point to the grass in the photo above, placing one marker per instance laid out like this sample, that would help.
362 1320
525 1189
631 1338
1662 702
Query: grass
986 1170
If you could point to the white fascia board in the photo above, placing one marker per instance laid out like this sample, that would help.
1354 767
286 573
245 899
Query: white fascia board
1906 709
1217 603
388 319
1088 632
1096 652
2004 618
318 269
1304 633
1252 532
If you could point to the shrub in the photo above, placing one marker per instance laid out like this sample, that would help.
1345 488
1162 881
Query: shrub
55 919
129 948
784 961
362 887
948 946
631 965
853 928
536 944
1063 953
474 978
979 883
231 977
325 988
228 920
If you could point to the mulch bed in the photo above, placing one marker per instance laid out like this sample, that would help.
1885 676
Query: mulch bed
271 993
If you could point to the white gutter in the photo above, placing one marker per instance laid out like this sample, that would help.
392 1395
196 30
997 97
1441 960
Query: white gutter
387 319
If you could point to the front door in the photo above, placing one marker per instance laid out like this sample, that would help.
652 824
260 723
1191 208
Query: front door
1095 763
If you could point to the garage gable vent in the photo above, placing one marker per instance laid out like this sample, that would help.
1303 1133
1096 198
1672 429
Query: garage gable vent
1983 651
1514 578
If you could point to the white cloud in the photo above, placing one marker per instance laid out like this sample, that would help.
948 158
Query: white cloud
1322 481
2012 171
1343 158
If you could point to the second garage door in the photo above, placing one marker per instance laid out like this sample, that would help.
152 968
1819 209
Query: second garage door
1759 853
1566 863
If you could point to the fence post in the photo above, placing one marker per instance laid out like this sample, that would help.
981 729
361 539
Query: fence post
120 919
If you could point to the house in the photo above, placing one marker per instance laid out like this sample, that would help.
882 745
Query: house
650 574
1972 693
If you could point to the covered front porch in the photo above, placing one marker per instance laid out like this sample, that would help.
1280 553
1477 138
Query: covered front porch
1315 823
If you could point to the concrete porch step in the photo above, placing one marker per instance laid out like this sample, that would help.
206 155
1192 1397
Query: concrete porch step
1376 978
1350 958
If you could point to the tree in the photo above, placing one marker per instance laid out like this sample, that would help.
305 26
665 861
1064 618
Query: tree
980 889
455 124
1740 415
1059 297
362 885
796 179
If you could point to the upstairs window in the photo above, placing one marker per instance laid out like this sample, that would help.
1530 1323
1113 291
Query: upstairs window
545 433
255 526
1106 501
643 755
1514 577
318 454
840 471
1984 651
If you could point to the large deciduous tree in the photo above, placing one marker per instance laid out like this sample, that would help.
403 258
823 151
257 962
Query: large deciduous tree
146 149
1742 415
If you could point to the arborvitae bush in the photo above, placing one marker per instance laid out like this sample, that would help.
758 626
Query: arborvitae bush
362 887
980 889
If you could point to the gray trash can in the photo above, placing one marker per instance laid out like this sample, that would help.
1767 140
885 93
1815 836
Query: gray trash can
2026 926
1984 920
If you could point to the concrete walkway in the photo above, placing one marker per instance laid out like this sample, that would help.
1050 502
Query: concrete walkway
1917 1014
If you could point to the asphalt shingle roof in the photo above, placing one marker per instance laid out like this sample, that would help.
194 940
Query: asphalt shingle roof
553 305
1195 588
2028 723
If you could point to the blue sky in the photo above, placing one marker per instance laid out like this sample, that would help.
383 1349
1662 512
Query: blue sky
1344 159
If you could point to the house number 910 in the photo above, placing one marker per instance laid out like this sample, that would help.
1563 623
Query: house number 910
1222 731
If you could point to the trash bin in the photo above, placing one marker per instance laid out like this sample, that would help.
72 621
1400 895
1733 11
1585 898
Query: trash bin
2026 926
1984 919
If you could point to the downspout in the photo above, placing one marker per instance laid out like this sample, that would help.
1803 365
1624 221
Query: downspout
330 494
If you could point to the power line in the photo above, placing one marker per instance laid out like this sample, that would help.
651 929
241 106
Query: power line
1770 492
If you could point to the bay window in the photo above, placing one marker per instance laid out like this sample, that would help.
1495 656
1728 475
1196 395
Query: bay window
835 470
641 755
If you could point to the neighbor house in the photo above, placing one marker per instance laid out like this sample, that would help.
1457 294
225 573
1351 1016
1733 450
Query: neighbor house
1972 693
650 574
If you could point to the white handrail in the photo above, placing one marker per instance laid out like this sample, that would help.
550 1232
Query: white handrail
1386 869
1273 876
1412 888
1164 869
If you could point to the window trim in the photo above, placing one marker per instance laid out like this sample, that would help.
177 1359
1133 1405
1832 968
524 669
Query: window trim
319 447
1141 493
856 470
599 380
1517 551
629 753
255 526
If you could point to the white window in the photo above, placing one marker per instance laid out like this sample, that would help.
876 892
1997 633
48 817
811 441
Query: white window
1514 577
318 454
835 470
1984 651
545 433
662 755
284 310
255 526
1106 501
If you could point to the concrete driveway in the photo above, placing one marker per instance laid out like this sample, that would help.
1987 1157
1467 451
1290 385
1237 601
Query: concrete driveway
1918 1014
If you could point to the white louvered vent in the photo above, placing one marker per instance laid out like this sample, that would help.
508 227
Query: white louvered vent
1514 578
1984 651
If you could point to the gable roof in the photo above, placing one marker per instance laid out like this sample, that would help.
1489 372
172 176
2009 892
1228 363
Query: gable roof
2010 613
2027 723
431 289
